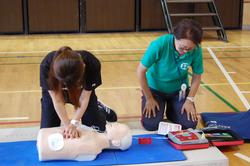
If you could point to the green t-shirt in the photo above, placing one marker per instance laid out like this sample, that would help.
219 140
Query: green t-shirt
167 71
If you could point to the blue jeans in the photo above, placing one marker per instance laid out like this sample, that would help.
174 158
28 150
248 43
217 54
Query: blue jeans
172 105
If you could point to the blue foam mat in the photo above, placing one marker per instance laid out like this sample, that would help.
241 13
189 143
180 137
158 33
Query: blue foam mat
25 153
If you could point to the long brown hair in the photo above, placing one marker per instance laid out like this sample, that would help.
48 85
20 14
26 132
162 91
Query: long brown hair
67 71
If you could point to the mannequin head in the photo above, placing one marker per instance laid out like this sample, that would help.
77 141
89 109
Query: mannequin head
119 136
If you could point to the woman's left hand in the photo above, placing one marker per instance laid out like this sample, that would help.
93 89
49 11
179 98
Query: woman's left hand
188 106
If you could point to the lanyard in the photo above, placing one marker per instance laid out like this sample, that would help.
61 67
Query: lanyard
182 80
183 88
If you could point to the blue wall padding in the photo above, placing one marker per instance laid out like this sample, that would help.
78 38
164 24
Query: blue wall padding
238 122
24 153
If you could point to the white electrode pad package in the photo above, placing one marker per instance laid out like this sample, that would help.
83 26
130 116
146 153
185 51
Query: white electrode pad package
165 127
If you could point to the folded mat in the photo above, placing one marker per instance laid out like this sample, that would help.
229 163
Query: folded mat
238 122
25 153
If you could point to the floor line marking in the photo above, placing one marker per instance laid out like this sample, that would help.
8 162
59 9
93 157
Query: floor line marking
23 122
242 156
19 91
117 88
232 46
230 80
225 83
104 50
231 72
37 122
36 91
246 92
112 50
14 118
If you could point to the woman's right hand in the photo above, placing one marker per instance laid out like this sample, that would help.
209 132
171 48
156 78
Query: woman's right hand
70 131
150 107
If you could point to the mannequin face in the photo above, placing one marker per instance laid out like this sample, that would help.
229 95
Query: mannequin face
119 136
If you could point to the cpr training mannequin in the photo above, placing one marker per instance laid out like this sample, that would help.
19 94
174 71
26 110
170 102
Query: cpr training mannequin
52 146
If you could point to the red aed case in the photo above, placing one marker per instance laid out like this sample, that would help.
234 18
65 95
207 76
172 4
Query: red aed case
187 139
188 146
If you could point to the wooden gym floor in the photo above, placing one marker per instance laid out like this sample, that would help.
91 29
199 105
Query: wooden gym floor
226 66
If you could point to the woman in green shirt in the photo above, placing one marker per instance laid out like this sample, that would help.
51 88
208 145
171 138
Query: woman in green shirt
163 76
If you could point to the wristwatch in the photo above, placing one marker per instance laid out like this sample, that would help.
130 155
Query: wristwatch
190 99
75 122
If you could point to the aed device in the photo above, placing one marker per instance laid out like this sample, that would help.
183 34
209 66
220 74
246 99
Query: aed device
188 139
